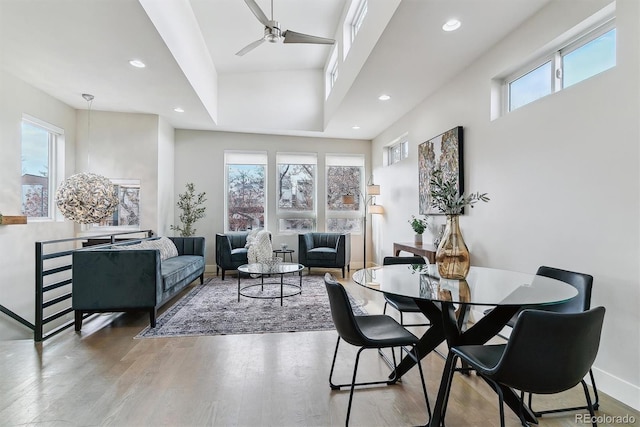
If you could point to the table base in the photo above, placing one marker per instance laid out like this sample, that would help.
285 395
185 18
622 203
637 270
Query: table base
297 288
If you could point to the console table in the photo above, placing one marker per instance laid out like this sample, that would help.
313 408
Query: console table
428 251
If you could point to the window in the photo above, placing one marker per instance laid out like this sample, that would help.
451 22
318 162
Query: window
353 23
332 72
40 145
246 190
296 188
345 176
398 150
592 52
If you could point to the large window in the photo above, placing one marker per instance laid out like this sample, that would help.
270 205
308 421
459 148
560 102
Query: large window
40 143
345 177
296 188
246 190
584 56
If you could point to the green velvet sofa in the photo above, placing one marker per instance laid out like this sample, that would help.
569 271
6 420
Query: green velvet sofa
124 277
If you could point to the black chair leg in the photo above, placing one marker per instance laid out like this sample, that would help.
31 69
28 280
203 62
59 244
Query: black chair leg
596 401
589 405
333 364
424 387
353 385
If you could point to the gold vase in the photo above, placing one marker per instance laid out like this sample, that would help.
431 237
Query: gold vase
452 256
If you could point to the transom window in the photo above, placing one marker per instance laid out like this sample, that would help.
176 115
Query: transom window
584 56
397 151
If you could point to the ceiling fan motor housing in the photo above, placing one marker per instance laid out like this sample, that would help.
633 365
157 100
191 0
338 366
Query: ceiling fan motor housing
272 32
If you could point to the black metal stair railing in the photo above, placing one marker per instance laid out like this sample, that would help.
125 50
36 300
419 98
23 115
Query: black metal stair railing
53 272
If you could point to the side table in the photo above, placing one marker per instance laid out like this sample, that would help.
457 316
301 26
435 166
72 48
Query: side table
284 253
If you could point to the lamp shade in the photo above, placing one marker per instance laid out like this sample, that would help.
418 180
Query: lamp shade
373 190
376 209
87 198
348 199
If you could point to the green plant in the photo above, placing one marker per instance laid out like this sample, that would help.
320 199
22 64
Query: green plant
445 198
190 204
419 224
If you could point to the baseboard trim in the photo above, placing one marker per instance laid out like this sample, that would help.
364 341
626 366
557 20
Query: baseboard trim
618 388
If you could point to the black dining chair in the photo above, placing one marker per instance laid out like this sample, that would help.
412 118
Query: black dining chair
582 302
366 331
400 303
547 353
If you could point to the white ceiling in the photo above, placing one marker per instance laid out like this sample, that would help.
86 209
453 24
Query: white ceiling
70 47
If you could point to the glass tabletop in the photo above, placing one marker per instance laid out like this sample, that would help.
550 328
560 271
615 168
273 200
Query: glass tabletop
271 268
483 286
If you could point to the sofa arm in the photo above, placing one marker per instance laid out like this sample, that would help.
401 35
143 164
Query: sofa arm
344 248
189 245
116 279
223 250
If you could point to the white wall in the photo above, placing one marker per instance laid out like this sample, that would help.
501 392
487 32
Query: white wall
200 159
125 146
17 242
562 175
166 154
272 100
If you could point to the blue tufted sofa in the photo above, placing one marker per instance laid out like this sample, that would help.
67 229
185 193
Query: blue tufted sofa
329 250
121 277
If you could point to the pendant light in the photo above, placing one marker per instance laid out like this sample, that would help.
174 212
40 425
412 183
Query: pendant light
87 197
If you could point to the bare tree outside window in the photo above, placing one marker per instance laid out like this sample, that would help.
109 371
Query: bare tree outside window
342 180
296 187
246 196
36 147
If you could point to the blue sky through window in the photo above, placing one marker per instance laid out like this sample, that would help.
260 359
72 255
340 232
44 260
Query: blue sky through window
35 150
594 57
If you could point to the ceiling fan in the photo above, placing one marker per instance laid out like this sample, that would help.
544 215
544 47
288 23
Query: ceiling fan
273 34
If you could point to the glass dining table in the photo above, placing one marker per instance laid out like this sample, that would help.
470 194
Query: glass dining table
439 299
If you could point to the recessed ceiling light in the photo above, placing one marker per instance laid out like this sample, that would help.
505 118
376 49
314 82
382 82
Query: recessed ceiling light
451 25
178 110
137 63
356 127
384 97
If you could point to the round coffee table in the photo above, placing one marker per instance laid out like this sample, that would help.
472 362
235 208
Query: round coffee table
262 270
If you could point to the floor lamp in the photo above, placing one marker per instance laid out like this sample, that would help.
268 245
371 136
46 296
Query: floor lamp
368 197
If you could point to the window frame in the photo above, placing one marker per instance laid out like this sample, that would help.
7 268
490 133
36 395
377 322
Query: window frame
555 57
403 144
284 214
55 163
349 160
257 158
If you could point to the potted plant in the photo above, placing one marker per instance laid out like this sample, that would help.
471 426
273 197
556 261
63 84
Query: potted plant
190 204
419 225
452 255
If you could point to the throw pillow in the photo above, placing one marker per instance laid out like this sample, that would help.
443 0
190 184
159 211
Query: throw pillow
166 247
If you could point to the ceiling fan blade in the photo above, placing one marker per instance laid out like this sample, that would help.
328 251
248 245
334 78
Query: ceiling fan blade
258 12
293 37
250 47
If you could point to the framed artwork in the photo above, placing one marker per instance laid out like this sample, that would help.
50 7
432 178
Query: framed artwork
442 152
127 214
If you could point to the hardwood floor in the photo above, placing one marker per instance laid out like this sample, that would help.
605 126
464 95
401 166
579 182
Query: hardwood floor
102 376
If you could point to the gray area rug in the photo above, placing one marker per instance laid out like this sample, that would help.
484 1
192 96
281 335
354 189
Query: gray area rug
213 309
